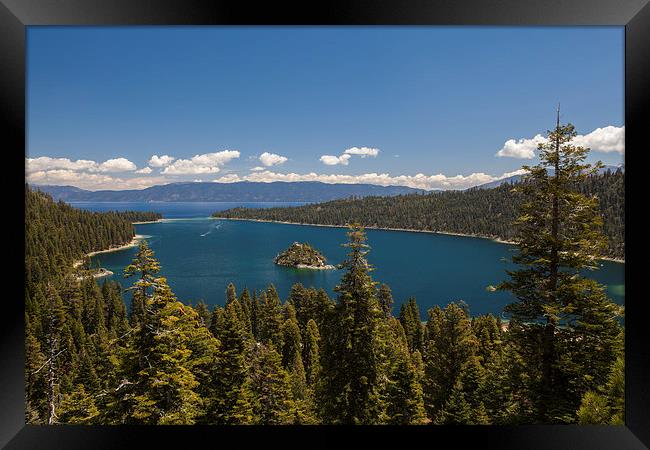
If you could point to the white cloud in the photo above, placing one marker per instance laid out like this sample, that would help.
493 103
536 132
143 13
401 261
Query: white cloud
331 160
521 148
200 164
230 178
606 139
187 167
363 151
116 165
271 159
46 163
144 170
418 181
257 169
161 161
91 181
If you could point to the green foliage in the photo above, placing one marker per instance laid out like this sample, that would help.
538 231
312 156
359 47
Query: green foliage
409 316
385 298
270 318
606 405
476 211
270 386
145 267
449 349
348 388
568 334
229 374
311 353
78 407
164 385
403 398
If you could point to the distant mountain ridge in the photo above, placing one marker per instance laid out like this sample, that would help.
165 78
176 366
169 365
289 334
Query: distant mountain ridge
278 191
517 178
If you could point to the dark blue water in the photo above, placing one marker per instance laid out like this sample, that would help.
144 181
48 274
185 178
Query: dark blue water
200 256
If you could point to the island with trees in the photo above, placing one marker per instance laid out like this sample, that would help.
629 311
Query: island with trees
302 256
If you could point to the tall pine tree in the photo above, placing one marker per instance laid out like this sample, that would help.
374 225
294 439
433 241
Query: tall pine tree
561 313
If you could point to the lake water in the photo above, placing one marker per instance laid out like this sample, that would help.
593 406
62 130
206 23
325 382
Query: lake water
200 256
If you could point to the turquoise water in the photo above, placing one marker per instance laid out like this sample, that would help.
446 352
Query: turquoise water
200 256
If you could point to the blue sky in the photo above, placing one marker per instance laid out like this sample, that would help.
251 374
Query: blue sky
435 101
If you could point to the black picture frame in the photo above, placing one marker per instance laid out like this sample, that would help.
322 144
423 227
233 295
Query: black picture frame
16 15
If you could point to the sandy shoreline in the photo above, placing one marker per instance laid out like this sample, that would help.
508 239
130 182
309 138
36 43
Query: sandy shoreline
133 243
148 221
501 241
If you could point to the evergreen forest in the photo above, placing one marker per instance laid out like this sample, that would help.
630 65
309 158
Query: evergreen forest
351 359
478 211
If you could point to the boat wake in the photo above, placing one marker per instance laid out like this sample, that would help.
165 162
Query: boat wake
215 227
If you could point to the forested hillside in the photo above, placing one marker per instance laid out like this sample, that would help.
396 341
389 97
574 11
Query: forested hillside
57 234
68 324
480 212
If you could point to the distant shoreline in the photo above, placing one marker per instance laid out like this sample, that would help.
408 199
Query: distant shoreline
494 239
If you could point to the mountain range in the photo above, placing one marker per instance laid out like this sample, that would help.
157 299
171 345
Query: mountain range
244 191
247 191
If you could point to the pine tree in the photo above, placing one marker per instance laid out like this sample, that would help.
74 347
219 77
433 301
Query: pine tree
472 378
161 386
270 386
488 334
270 325
145 266
247 309
204 313
231 294
230 371
559 235
311 355
385 297
404 403
165 385
116 318
456 410
606 405
292 343
35 381
348 389
410 318
216 320
256 314
299 299
78 407
292 362
450 345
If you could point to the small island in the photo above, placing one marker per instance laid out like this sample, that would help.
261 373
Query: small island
302 256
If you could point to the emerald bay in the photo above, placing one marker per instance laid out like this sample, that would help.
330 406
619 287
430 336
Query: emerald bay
200 256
